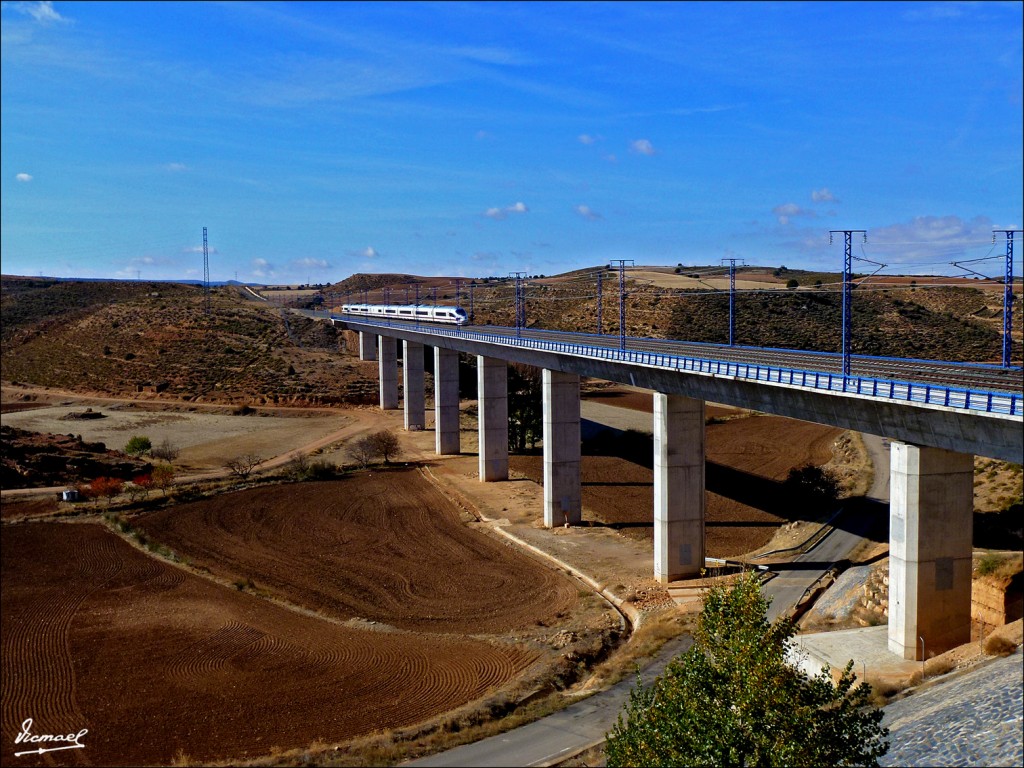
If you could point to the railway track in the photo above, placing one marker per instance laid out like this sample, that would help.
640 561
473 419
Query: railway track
969 376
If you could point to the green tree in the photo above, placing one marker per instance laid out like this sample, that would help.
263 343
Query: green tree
732 699
525 407
138 445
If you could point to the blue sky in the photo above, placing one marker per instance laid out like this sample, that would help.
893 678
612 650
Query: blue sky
316 140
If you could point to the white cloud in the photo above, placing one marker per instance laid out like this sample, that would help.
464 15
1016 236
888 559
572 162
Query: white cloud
176 167
935 239
587 213
788 211
642 147
311 263
499 214
262 268
369 252
43 12
24 177
585 138
198 249
823 195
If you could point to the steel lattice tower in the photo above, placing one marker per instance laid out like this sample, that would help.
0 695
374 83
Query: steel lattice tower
732 299
206 274
847 291
621 263
1007 294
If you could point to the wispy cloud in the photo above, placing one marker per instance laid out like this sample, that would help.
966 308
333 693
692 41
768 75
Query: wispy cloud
642 147
789 211
311 263
934 240
176 167
198 249
499 214
587 212
586 138
262 268
43 12
823 195
369 252
24 177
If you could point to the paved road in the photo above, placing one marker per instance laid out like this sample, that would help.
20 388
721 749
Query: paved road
557 736
554 737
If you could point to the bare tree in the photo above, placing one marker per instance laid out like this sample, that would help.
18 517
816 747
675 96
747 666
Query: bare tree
166 451
243 466
363 451
387 444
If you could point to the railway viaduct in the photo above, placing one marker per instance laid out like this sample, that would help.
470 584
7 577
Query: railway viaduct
936 430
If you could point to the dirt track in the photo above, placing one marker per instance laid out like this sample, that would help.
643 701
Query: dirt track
153 660
385 546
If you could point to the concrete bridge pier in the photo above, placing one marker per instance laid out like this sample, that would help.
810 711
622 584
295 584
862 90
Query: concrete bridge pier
446 401
931 526
412 386
492 415
387 367
678 487
367 346
562 492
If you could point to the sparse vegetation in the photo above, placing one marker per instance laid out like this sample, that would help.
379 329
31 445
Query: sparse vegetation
244 465
137 445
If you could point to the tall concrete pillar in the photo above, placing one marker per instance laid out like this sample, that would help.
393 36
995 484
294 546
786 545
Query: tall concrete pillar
492 407
387 365
931 525
367 346
412 385
678 487
562 493
446 401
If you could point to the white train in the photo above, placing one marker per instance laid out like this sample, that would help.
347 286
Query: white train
430 314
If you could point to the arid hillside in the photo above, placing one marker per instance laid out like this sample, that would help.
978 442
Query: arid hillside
139 339
157 339
949 319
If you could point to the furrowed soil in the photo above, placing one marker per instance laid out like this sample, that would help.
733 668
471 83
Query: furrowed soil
389 547
159 661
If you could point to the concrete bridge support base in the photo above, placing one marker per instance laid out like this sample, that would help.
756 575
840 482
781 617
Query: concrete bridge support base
412 386
387 367
678 487
562 492
492 414
931 521
446 401
367 346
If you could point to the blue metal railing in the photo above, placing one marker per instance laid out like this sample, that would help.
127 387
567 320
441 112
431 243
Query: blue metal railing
905 391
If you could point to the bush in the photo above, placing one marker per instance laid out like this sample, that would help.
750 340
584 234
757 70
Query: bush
138 445
999 645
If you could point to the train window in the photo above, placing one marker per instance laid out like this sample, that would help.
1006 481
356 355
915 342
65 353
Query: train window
422 312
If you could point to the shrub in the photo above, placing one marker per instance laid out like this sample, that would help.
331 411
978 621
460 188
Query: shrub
999 645
166 451
138 445
243 466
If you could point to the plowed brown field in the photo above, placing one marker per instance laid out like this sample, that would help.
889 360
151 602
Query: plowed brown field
155 661
385 546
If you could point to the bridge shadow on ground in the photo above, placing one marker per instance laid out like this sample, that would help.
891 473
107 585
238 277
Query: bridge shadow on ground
784 501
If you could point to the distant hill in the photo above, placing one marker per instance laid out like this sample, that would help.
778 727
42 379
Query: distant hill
155 339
